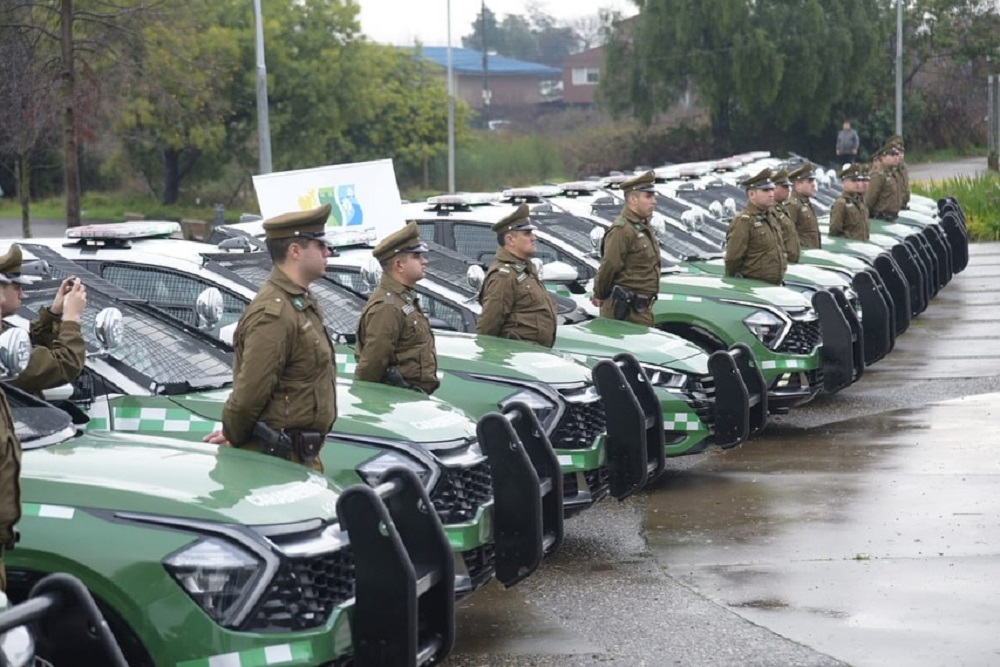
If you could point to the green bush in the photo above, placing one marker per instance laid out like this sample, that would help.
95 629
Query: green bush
979 197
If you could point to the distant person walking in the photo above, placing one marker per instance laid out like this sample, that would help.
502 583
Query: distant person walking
847 145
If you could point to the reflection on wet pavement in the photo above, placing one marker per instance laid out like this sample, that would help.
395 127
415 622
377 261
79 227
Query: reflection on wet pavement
874 541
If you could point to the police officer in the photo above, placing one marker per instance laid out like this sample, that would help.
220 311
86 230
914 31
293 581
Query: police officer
515 303
10 471
883 194
628 279
800 209
58 351
782 189
284 398
902 171
754 244
849 215
395 344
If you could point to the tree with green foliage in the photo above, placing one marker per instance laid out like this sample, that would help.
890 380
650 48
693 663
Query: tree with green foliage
537 38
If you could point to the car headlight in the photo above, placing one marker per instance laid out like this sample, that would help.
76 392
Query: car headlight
766 326
373 469
216 574
660 376
544 408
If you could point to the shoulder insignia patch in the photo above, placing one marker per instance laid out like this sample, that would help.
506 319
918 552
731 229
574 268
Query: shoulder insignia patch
521 278
408 309
503 269
519 267
299 303
273 307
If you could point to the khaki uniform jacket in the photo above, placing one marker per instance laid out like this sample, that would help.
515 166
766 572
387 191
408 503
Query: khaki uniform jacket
516 303
10 475
58 353
849 218
393 331
882 197
284 371
788 233
755 247
630 257
803 216
903 172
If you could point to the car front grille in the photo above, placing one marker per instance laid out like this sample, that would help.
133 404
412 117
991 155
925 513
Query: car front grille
580 425
700 395
304 592
802 338
481 563
462 491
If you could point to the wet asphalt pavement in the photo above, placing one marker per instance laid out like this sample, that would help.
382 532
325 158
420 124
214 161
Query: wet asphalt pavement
863 529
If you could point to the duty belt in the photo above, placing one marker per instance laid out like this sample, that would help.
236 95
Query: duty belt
885 215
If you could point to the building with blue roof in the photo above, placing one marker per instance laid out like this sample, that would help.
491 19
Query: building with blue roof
512 83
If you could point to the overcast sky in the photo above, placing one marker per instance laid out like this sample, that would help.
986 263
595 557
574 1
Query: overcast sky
403 21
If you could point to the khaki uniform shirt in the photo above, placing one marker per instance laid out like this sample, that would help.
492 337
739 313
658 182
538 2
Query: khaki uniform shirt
284 371
788 233
631 258
754 246
903 172
58 353
882 197
516 303
10 484
803 216
849 218
393 331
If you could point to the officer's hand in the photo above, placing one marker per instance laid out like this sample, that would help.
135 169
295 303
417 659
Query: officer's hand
64 288
594 300
216 438
74 301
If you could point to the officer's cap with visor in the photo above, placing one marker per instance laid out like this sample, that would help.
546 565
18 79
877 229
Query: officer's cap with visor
642 183
306 225
802 173
406 239
780 177
759 181
518 221
853 172
10 267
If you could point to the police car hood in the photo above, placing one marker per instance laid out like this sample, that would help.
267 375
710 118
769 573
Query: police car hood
167 477
799 274
839 244
501 357
734 289
823 257
371 411
603 338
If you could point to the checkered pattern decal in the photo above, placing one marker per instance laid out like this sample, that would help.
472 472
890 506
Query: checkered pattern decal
283 654
681 421
783 363
679 297
150 420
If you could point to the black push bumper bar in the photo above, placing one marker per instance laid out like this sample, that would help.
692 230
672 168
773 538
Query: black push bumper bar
740 395
838 344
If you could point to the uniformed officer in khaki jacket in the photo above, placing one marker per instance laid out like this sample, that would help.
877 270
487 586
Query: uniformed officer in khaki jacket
902 171
628 280
782 189
883 197
849 215
284 399
10 473
515 302
58 351
800 209
395 344
754 244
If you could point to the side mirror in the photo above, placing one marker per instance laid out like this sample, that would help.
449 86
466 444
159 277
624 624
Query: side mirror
208 307
109 328
558 272
656 222
15 352
596 236
371 274
716 209
475 276
62 392
538 264
35 267
730 207
17 646
689 218
237 243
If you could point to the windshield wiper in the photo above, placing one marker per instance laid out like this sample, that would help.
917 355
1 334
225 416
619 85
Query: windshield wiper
198 384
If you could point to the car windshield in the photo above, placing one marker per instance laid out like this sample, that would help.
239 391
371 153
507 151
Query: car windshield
163 354
37 423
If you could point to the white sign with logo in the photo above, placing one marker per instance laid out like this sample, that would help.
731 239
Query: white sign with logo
364 196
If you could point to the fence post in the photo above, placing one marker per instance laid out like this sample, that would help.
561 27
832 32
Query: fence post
993 123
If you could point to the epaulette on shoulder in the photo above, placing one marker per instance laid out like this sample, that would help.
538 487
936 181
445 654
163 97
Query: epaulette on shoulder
389 298
620 222
273 307
503 269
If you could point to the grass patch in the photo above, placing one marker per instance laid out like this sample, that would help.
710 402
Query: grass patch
945 154
979 197
113 207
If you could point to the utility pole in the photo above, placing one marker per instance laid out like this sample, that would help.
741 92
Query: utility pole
899 67
451 112
263 120
486 71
